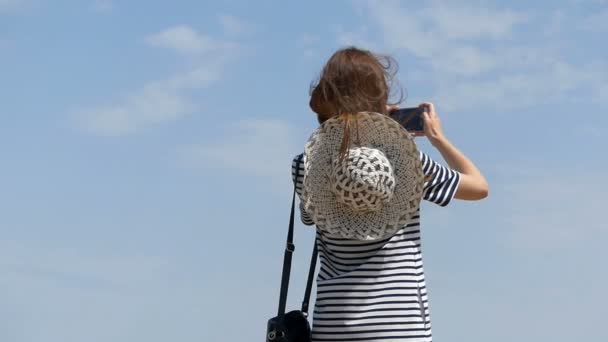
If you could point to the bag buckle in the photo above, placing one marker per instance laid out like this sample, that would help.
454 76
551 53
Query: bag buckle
290 247
273 335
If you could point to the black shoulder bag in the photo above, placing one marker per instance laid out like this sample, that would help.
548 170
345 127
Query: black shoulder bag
292 326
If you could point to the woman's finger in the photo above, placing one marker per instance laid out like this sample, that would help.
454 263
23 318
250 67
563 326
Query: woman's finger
428 107
392 108
426 116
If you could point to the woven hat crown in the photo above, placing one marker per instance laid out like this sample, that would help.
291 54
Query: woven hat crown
364 180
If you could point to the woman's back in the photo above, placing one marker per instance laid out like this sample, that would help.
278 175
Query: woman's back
375 290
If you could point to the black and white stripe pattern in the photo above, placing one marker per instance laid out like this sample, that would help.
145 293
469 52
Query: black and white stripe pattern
297 174
375 290
443 183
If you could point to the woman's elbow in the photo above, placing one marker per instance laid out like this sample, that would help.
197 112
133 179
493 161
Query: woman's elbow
483 190
483 193
472 191
472 188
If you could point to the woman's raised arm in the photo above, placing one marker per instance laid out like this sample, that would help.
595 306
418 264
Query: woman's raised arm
473 185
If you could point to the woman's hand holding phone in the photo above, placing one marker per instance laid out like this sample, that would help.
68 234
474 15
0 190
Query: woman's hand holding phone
432 123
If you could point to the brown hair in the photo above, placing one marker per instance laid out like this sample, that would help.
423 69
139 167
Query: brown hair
352 81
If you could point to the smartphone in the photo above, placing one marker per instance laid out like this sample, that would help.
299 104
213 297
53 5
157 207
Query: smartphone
410 118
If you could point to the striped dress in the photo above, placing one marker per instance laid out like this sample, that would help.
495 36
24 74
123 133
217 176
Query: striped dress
375 290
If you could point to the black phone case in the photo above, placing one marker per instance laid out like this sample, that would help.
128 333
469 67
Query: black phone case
409 118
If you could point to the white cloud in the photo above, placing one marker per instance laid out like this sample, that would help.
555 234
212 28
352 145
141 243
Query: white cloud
519 88
261 147
154 103
187 41
470 52
467 22
425 28
164 100
183 39
445 35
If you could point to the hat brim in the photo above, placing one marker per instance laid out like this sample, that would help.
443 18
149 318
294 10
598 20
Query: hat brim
375 131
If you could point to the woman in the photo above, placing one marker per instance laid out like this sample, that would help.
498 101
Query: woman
371 285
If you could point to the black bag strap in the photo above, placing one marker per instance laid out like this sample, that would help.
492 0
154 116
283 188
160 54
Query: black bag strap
289 248
311 276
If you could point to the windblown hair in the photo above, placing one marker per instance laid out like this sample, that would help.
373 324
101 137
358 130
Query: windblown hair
352 81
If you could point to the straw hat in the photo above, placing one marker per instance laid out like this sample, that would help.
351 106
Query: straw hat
375 190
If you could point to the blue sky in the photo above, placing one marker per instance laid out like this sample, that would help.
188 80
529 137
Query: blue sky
146 151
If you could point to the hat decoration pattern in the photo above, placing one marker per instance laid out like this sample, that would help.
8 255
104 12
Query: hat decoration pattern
364 181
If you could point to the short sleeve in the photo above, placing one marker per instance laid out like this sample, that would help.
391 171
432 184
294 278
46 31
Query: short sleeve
297 175
440 183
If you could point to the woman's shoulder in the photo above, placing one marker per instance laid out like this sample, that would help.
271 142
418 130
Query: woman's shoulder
297 166
297 160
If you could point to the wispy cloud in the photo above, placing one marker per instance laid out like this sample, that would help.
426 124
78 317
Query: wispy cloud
187 41
467 22
156 102
261 147
483 52
546 82
166 99
444 34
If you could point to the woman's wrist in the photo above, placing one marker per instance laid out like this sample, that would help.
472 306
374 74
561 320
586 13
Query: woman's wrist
439 141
